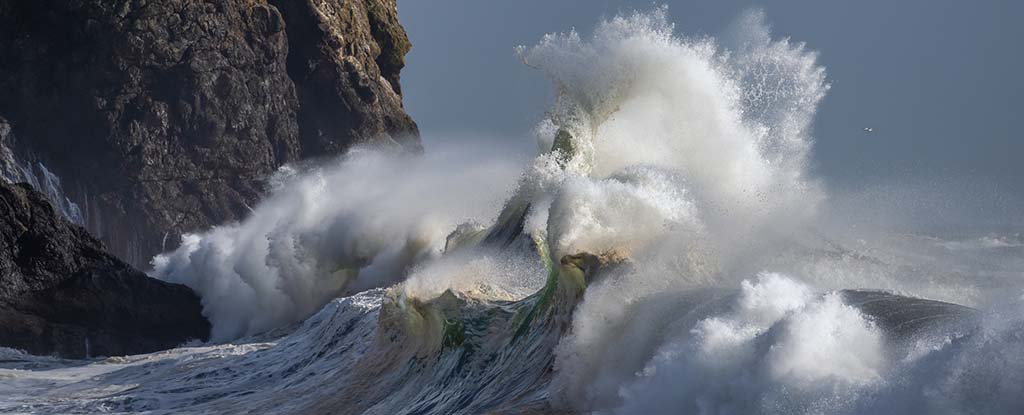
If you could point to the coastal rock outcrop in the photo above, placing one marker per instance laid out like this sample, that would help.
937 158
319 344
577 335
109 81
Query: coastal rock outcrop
162 117
61 293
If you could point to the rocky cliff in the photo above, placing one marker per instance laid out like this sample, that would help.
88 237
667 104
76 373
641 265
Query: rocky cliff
164 116
61 293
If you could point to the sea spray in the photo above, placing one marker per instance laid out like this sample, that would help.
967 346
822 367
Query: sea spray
778 348
661 253
727 154
359 222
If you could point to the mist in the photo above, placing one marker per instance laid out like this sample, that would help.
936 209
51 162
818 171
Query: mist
334 228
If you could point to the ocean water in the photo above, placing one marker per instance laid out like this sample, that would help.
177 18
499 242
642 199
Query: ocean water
665 251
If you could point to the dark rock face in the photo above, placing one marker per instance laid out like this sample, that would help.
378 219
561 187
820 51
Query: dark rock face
164 116
345 58
61 293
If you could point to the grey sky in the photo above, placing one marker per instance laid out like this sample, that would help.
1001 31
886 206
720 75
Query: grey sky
939 80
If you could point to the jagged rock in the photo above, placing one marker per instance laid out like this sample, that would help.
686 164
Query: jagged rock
9 168
61 293
164 116
345 58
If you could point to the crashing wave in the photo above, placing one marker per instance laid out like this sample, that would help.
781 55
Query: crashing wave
663 253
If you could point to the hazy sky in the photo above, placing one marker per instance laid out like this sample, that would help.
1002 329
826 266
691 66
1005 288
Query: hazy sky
939 80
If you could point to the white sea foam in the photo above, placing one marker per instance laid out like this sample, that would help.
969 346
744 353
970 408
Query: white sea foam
728 123
778 345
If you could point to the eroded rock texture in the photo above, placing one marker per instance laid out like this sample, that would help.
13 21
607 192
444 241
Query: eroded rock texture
61 293
344 58
165 116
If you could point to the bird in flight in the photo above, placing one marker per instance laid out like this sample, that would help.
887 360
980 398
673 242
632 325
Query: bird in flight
869 130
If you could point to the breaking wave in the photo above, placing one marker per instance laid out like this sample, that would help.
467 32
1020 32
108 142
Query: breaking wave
666 251
334 230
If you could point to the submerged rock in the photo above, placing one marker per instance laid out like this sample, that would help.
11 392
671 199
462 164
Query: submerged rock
162 117
61 293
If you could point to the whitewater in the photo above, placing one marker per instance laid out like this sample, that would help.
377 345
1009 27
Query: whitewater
666 250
